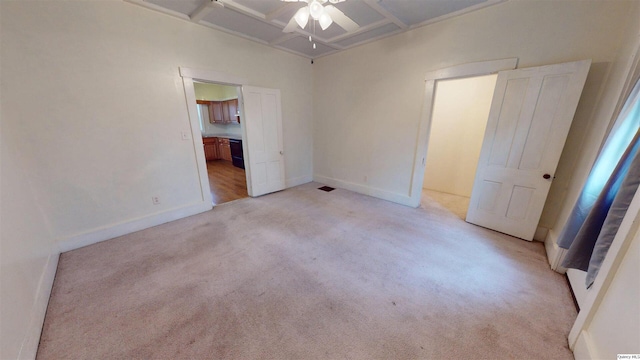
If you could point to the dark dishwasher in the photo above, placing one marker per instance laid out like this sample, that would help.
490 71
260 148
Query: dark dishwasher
236 153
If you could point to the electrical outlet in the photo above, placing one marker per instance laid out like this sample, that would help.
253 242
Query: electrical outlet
155 200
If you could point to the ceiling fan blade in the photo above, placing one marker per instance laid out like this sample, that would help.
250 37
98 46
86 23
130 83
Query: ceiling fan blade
290 26
340 18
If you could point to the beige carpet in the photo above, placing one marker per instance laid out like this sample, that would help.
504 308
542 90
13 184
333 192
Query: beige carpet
306 274
455 204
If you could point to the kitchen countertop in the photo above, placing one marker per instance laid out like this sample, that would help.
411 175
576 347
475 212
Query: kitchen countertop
227 136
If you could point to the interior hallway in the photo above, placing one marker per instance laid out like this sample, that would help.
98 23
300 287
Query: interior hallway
227 182
455 204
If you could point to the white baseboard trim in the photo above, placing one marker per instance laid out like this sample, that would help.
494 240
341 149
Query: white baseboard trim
30 343
288 183
366 190
554 252
127 227
584 349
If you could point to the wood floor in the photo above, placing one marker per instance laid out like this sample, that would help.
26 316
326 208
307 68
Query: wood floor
227 182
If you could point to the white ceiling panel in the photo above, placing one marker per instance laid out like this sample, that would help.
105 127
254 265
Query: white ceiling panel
359 12
264 20
416 12
182 6
234 21
369 35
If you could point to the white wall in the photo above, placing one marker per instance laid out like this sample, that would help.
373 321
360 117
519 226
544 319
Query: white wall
615 327
366 141
27 255
101 152
459 118
94 106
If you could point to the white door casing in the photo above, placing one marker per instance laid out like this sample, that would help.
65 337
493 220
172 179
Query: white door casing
529 120
189 75
263 134
431 79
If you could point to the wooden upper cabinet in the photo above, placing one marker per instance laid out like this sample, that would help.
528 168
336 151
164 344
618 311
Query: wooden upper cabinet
222 112
216 112
225 112
234 116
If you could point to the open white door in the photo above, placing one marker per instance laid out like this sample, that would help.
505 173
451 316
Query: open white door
263 134
529 120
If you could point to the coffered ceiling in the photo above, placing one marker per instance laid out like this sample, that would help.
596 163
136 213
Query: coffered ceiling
264 20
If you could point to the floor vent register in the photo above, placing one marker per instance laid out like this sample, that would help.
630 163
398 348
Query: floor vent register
326 188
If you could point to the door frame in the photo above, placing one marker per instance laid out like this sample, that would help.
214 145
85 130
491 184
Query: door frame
190 75
424 130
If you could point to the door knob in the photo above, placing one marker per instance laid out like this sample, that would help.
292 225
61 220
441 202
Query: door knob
546 176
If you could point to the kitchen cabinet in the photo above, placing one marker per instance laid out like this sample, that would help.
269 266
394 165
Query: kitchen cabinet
216 112
234 115
222 112
224 149
211 148
225 112
216 148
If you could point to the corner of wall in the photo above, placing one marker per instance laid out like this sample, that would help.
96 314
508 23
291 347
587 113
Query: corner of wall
365 190
554 252
291 182
583 350
29 347
541 233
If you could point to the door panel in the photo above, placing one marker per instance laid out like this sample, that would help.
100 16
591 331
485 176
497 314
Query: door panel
507 121
489 193
530 117
519 202
263 127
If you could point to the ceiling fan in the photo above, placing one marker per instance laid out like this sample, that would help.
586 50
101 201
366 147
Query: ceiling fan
324 14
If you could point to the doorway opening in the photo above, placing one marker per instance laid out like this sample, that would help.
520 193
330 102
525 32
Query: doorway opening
220 126
458 121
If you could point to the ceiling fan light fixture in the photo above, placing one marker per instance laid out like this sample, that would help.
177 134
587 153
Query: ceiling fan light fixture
316 9
325 21
302 16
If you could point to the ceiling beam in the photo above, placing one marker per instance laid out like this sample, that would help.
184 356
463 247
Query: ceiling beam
243 9
382 11
204 9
